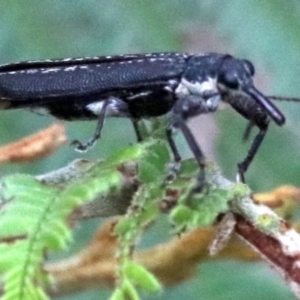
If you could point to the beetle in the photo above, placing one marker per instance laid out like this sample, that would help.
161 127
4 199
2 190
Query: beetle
140 86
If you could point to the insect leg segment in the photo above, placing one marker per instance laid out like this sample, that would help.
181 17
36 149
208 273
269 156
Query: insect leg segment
135 124
174 167
193 97
249 109
173 147
247 131
187 106
244 165
110 107
198 154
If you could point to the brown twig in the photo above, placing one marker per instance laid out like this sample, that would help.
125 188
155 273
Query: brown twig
272 237
34 147
95 266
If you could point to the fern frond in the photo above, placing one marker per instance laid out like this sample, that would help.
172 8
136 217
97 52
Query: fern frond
34 220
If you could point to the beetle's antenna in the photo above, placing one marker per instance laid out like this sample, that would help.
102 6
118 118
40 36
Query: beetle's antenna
288 99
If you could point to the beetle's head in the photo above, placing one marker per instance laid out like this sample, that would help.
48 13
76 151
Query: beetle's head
236 75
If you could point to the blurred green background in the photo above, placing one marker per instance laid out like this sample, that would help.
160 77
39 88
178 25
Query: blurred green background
265 32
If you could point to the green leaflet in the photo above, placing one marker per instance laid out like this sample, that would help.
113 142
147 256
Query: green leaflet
33 220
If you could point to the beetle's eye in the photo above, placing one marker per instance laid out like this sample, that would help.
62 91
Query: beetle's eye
249 67
229 79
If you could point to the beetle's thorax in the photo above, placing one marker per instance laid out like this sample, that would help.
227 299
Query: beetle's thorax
200 82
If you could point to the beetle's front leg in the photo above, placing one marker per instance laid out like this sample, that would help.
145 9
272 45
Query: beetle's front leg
257 117
244 165
174 167
195 148
188 106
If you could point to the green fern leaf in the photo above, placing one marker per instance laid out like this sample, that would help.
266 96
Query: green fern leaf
34 220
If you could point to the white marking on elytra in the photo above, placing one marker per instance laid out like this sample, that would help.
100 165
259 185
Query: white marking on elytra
32 71
168 88
45 71
173 82
38 61
142 94
73 68
147 57
67 59
16 72
82 58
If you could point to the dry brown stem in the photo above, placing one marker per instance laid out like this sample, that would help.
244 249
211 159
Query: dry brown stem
95 266
36 146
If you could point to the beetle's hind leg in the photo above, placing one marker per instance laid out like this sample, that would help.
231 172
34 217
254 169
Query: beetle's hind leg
135 123
83 147
110 107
